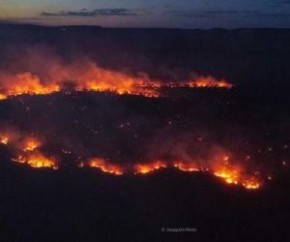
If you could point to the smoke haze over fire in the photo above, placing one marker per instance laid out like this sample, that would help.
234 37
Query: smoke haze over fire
84 75
139 134
61 111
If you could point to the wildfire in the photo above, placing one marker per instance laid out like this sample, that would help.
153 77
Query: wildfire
186 167
37 160
149 167
28 150
93 78
4 140
105 166
229 176
31 144
234 174
125 86
201 82
27 83
209 82
3 96
251 183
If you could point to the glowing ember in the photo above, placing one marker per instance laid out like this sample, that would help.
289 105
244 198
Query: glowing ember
201 82
209 82
125 86
234 176
251 183
31 144
2 96
4 140
37 160
187 167
149 167
230 177
105 166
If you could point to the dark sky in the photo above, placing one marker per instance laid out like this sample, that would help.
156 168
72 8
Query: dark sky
150 13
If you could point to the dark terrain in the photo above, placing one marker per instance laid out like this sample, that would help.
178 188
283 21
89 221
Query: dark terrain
74 204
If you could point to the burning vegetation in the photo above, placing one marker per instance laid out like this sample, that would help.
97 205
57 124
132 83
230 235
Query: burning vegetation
85 76
88 76
229 174
36 160
106 167
146 168
28 151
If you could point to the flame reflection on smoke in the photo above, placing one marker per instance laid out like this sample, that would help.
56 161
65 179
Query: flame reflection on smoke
90 77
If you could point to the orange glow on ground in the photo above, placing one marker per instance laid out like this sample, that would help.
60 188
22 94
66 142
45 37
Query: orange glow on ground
3 96
105 166
230 177
186 167
26 83
96 79
209 82
37 160
125 86
4 140
251 183
31 144
146 168
233 176
27 151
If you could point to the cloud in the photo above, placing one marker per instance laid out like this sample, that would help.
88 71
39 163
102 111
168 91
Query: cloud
19 20
211 13
246 14
92 13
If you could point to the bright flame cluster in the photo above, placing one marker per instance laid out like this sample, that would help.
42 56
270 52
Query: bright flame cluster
145 168
31 156
36 160
28 151
105 166
229 174
31 144
96 79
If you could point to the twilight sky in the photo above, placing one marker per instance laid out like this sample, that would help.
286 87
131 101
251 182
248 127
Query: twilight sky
150 13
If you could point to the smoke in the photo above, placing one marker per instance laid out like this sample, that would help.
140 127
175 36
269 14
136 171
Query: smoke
72 112
184 152
40 71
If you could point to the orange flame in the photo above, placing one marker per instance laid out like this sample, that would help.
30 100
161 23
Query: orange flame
146 168
96 79
8 136
105 166
186 167
233 174
31 144
229 176
124 86
201 82
251 183
3 96
234 177
27 83
37 160
209 82
4 140
221 164
27 150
